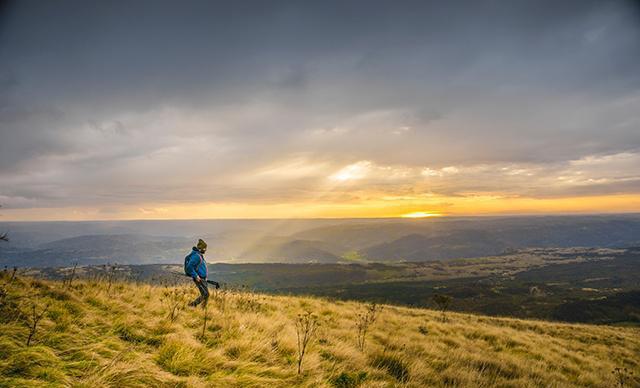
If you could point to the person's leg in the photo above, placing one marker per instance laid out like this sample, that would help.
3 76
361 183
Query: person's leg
204 290
204 293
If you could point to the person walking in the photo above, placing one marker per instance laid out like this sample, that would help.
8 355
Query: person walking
195 266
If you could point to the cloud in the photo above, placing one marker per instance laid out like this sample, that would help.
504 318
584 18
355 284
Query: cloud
154 102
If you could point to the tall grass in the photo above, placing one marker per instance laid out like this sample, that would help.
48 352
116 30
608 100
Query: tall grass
108 333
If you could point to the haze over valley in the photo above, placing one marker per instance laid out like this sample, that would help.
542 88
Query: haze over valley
306 241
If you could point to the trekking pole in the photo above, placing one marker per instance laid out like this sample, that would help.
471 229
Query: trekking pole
212 282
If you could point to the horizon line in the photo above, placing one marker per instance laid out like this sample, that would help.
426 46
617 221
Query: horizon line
401 218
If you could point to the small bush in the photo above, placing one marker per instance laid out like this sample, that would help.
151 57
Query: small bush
394 364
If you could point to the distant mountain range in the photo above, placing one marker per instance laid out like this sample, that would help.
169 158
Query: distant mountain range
302 241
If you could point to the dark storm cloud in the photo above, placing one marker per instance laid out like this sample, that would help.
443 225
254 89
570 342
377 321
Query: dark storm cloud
169 50
97 96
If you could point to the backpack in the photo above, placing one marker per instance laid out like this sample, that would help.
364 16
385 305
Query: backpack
186 262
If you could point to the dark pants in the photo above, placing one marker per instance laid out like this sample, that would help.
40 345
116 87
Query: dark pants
204 292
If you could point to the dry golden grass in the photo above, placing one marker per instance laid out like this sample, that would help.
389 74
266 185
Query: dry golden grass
125 338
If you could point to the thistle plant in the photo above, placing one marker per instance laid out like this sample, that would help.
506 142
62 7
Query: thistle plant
174 300
622 376
364 321
306 326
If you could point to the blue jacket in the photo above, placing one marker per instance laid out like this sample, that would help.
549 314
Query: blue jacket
195 265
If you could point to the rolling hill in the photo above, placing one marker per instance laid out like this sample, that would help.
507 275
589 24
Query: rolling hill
291 251
417 247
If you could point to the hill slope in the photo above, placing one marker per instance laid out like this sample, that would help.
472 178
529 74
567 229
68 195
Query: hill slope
97 334
417 247
295 251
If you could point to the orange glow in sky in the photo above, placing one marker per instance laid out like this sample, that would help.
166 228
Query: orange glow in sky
421 215
371 207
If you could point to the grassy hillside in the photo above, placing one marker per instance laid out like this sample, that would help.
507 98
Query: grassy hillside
98 334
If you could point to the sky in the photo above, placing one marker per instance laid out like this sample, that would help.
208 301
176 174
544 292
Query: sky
278 109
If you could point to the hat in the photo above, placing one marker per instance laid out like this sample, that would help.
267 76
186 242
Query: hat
201 245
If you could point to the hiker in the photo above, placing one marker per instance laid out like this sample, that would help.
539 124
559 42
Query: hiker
196 267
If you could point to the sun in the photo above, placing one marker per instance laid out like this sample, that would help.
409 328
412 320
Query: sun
421 215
